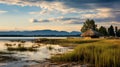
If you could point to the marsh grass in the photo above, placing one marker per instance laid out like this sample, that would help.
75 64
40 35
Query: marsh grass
5 52
21 49
50 47
6 56
73 42
103 53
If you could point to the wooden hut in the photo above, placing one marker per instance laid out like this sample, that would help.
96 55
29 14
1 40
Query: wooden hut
91 33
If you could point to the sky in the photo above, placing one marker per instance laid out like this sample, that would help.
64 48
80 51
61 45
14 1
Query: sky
61 15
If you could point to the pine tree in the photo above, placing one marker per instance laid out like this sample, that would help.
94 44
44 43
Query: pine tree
118 33
103 31
111 31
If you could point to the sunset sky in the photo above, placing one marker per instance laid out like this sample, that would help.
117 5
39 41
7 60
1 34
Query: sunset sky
66 15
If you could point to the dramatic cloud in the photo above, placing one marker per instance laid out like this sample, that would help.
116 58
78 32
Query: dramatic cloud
44 4
65 6
62 20
100 10
98 13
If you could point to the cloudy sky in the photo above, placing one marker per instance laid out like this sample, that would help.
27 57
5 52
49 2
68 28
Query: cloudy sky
66 15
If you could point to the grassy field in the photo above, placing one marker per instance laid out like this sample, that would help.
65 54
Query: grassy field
96 52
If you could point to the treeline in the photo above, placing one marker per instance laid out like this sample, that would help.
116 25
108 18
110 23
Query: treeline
110 31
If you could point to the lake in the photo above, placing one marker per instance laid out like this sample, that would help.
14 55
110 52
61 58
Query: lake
28 57
29 38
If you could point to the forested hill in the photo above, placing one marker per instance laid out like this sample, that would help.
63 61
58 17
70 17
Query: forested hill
39 33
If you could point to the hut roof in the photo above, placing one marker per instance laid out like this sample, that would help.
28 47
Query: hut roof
90 33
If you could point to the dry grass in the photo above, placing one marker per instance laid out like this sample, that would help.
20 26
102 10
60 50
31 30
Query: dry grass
102 53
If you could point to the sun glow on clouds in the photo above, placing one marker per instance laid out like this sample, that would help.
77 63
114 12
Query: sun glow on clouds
62 11
50 6
99 13
59 28
61 19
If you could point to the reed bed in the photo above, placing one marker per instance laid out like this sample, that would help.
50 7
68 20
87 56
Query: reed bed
103 53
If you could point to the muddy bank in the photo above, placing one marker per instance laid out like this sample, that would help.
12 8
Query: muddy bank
49 64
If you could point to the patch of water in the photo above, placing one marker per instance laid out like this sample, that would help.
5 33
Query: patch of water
28 57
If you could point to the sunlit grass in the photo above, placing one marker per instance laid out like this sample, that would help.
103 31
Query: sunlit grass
102 53
21 49
66 42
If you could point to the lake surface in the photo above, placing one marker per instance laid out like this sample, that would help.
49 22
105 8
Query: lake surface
28 57
29 38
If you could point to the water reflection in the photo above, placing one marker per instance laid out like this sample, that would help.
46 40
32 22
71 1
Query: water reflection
45 51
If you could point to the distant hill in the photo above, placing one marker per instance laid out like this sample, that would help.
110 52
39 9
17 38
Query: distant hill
39 33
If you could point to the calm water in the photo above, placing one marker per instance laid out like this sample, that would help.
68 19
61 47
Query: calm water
29 38
28 57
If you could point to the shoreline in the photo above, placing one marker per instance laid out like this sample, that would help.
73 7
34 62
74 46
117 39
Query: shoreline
53 64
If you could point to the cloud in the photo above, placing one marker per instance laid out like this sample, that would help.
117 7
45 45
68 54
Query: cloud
107 24
38 27
63 20
33 20
100 10
65 6
42 12
44 4
2 11
54 27
99 13
115 23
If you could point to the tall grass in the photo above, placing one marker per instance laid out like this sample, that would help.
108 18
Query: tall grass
65 42
105 53
21 49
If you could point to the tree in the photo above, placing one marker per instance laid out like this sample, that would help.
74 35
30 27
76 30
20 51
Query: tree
88 24
103 31
118 33
111 31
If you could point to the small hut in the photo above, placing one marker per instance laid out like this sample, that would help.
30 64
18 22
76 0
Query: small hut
91 33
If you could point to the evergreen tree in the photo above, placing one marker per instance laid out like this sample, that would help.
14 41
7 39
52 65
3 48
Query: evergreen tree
103 31
116 31
88 24
111 31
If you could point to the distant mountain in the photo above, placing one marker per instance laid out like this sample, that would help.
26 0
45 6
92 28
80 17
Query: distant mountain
39 33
